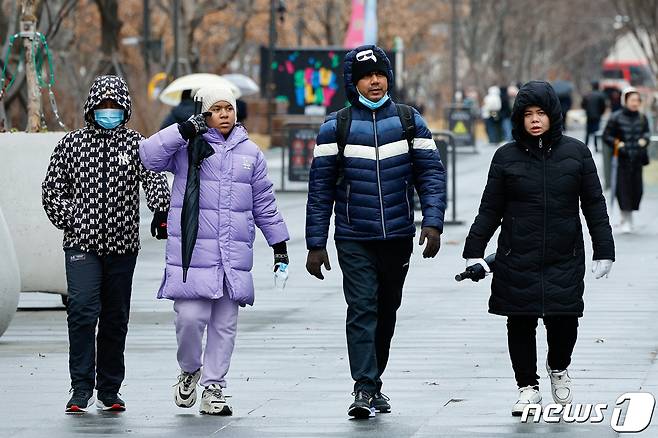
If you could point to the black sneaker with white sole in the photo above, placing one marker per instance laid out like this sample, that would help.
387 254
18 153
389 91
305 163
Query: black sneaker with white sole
80 401
360 408
110 401
379 402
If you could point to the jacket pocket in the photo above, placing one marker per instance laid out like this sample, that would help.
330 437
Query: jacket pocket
348 191
512 238
252 232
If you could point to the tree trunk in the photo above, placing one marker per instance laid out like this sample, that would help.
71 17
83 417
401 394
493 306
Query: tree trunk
33 92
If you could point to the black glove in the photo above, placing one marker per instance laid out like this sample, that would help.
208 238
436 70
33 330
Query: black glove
314 261
194 126
159 225
280 254
433 241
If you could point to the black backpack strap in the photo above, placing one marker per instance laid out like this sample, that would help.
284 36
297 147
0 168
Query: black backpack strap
343 124
406 114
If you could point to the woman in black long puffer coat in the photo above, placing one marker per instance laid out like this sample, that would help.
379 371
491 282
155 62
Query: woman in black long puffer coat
533 191
628 129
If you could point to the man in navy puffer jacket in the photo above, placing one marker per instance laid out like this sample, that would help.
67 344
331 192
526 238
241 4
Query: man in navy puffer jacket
369 185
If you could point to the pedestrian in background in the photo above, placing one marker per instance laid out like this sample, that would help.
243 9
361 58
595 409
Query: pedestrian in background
627 132
491 107
181 112
91 191
594 105
235 197
505 115
367 160
533 191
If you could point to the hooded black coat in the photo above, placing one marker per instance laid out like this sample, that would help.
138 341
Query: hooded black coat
629 127
533 190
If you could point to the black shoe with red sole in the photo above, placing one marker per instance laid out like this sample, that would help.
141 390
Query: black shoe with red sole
80 401
110 401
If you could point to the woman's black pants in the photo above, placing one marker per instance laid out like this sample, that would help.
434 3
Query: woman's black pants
561 333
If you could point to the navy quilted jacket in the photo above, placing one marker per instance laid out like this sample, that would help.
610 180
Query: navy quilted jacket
374 200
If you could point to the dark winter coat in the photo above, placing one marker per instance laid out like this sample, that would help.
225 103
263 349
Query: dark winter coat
594 105
629 127
178 114
533 191
91 189
374 201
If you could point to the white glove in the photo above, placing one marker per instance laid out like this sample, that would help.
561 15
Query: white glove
471 262
280 275
601 268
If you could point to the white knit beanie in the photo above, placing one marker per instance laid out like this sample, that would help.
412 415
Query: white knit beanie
212 95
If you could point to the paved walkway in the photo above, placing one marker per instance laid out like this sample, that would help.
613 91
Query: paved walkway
449 372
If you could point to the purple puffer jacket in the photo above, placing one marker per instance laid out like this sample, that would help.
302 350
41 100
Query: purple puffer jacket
235 196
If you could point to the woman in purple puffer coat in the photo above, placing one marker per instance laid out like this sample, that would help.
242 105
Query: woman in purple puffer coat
235 196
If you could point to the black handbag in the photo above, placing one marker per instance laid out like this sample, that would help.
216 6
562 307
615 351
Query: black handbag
644 155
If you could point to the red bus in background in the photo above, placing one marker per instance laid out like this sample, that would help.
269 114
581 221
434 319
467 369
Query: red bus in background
618 75
621 74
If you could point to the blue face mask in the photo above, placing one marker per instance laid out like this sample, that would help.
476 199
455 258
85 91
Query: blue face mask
108 118
373 105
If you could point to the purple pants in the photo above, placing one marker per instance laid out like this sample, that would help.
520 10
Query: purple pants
220 316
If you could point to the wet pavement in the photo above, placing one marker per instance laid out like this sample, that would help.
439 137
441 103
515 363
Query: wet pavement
449 373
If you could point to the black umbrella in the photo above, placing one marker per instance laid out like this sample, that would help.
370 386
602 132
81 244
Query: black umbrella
198 150
562 88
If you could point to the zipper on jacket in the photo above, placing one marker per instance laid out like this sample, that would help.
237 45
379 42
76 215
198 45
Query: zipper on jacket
379 182
543 244
406 197
105 193
347 203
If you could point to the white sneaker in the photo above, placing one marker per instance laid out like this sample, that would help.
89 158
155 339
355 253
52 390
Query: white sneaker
626 223
626 228
185 389
560 386
213 401
527 396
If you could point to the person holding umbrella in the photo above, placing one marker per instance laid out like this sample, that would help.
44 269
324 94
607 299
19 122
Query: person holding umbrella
221 192
627 132
534 187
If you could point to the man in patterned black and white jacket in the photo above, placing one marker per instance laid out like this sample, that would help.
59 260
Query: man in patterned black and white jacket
91 191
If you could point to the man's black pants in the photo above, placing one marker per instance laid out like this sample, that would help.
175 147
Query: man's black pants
99 290
591 129
561 334
373 276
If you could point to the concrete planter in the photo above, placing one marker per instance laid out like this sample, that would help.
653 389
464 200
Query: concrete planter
10 280
37 244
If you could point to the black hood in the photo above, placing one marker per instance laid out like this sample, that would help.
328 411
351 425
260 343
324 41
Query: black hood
541 94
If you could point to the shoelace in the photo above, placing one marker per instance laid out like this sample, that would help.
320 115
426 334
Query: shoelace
186 379
216 392
361 394
561 376
382 395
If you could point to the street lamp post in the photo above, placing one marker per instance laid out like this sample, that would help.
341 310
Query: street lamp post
453 48
174 70
268 66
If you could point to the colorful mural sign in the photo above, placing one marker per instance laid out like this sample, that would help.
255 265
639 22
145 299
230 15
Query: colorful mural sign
310 80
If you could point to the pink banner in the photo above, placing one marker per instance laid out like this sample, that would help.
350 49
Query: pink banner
355 32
